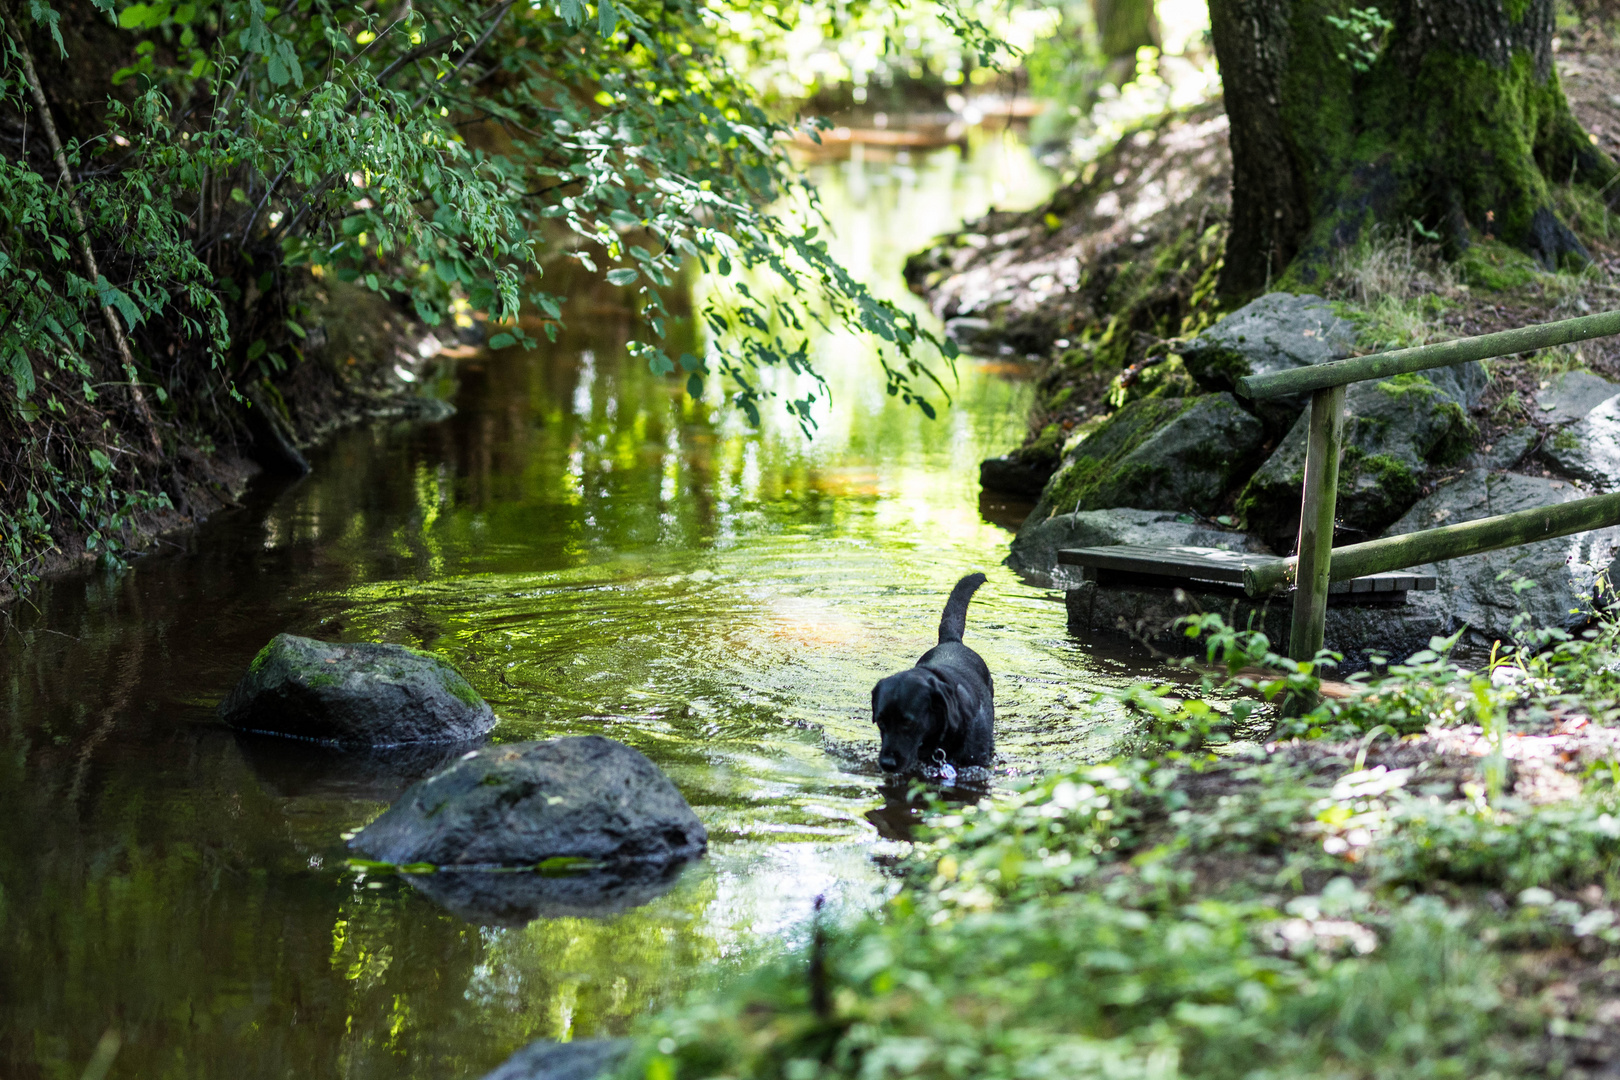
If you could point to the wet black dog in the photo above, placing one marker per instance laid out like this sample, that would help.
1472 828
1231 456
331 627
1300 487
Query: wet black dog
942 710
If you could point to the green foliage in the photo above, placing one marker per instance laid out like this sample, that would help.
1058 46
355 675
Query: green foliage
1365 32
450 158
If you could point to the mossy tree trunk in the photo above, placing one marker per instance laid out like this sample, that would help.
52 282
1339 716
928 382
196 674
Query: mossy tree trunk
1123 27
1447 114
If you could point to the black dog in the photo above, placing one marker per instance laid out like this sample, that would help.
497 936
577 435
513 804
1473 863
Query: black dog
946 703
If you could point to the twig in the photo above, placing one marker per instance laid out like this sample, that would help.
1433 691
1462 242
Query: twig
86 253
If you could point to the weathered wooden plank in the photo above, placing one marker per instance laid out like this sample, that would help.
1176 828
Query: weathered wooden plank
1447 542
1423 357
1213 565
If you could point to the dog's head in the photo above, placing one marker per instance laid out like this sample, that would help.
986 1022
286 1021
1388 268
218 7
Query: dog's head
907 708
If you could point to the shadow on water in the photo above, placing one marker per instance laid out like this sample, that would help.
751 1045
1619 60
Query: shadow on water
599 555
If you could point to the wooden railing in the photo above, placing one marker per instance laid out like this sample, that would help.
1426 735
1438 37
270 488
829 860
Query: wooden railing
1318 563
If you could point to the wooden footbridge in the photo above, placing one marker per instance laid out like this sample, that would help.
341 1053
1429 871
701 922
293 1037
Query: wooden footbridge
1374 567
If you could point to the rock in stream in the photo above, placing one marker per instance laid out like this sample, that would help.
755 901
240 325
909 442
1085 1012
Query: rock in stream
582 1059
584 798
355 696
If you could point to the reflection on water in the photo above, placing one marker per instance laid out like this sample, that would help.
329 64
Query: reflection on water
599 555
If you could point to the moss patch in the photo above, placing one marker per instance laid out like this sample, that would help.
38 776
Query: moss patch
1096 463
1493 265
263 658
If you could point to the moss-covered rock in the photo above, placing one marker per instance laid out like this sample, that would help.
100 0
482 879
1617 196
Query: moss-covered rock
557 804
1395 431
355 695
1157 454
1277 332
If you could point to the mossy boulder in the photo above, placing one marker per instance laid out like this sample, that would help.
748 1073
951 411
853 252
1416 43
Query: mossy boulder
1157 454
1395 431
1277 332
579 802
1477 591
355 695
1026 470
1589 449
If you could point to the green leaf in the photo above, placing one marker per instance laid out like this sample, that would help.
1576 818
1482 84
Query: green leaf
621 276
502 341
607 18
101 461
116 298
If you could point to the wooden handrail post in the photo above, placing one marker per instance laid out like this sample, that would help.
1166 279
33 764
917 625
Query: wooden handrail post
1316 514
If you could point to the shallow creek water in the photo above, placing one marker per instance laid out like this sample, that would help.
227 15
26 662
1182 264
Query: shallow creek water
598 554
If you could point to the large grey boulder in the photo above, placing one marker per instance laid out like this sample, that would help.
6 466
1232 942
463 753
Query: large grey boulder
1589 449
355 695
582 1059
1396 430
582 798
1157 454
1477 590
1277 332
1570 395
1034 550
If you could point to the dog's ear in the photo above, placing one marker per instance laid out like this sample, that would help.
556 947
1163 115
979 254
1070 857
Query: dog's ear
939 703
877 699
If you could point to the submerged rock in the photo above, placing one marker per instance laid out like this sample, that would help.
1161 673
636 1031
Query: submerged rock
1589 449
1477 590
1034 550
582 1059
583 798
355 695
1395 430
1157 454
1277 332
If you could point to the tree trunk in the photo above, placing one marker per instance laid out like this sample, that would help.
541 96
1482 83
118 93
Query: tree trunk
1123 27
1452 119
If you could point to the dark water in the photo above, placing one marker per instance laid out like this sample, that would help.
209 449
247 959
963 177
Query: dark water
598 554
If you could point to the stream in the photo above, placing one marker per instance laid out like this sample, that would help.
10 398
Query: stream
598 554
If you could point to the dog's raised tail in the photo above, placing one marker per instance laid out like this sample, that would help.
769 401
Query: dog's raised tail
954 621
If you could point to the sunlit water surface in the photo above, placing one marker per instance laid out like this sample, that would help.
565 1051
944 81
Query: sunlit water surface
599 555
